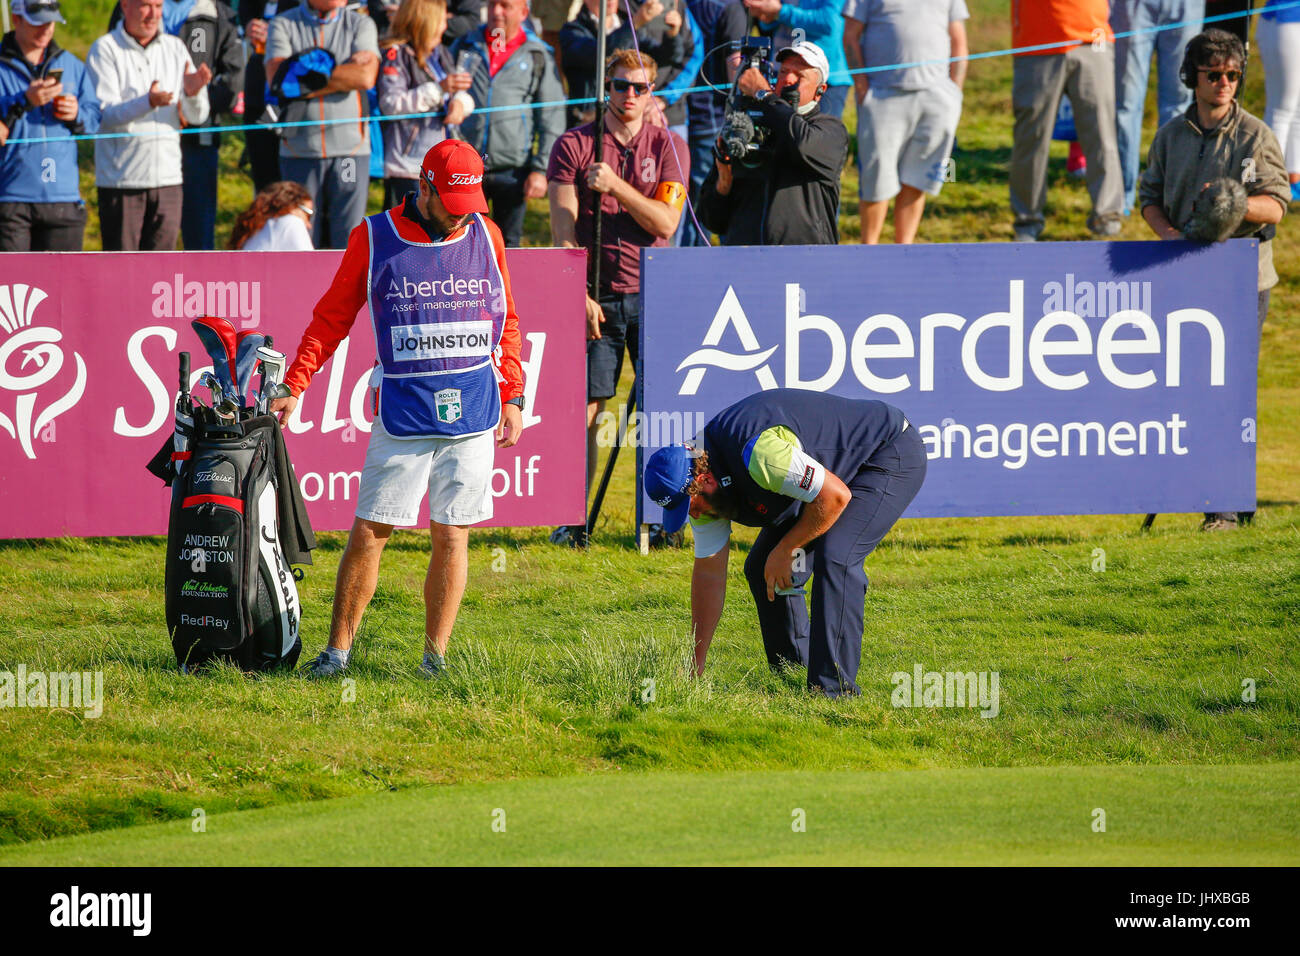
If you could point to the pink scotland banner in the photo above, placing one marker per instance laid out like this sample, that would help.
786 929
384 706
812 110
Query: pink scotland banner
89 344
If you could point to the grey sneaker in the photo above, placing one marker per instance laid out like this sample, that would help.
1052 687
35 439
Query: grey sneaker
323 666
1219 522
1105 226
1027 233
570 535
431 668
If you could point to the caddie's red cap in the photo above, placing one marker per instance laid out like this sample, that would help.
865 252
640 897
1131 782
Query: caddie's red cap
455 170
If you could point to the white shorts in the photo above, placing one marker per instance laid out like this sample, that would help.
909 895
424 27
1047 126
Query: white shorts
906 138
457 472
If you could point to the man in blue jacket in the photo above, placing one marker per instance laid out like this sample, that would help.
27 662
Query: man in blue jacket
45 94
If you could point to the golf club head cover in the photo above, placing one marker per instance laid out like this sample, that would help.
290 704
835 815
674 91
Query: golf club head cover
220 342
247 343
1219 210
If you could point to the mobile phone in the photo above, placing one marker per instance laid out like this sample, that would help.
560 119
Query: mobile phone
55 75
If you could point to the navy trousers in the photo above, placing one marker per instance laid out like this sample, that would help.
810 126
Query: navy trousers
830 646
199 192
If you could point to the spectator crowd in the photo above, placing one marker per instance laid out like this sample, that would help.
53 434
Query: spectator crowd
510 80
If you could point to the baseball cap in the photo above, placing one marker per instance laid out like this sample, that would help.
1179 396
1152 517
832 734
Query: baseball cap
667 475
455 169
38 12
812 55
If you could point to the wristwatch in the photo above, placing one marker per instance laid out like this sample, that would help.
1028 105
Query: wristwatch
762 96
517 400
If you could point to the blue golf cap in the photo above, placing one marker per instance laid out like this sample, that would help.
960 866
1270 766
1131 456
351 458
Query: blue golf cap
38 12
667 475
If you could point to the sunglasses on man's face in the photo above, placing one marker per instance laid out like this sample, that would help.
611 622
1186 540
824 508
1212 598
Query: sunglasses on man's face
620 85
1214 76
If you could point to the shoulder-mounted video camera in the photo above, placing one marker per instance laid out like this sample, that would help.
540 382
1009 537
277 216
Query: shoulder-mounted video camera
744 139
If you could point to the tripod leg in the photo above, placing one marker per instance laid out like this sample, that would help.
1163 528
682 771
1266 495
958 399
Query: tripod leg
609 469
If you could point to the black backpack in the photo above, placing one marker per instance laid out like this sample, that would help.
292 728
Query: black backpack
231 593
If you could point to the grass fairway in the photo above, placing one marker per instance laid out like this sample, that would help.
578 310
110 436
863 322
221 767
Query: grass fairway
1186 816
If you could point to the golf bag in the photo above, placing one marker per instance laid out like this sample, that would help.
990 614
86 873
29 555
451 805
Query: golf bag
231 593
237 523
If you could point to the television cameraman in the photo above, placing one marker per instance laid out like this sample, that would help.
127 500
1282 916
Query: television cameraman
787 191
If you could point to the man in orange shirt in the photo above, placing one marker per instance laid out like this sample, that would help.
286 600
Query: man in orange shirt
1078 59
448 386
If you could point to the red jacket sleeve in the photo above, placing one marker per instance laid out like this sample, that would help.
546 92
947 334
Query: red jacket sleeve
332 319
507 359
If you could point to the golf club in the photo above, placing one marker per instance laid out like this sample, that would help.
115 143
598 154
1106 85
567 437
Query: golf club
272 365
209 381
184 417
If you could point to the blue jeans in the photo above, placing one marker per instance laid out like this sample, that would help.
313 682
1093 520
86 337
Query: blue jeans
199 192
621 328
701 143
340 187
1133 67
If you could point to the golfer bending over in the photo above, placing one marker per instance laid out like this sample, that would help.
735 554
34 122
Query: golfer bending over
447 383
825 478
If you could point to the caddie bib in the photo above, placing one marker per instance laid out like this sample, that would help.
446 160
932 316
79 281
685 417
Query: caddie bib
438 311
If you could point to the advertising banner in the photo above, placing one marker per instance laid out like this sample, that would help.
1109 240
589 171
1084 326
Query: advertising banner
89 344
1045 378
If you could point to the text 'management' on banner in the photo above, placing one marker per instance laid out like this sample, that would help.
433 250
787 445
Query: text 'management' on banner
1057 378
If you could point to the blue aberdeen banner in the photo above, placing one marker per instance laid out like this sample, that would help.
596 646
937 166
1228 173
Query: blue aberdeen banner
1052 378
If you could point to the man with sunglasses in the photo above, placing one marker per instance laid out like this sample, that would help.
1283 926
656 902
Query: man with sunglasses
447 390
639 178
1217 139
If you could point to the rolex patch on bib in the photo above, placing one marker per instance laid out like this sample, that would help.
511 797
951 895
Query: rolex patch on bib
447 402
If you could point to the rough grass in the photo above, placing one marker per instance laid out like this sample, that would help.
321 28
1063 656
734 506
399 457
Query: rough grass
1142 663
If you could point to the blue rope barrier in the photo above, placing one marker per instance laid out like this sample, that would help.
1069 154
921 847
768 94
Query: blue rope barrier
382 118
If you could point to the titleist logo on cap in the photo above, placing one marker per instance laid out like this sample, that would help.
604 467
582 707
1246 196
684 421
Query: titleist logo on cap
464 179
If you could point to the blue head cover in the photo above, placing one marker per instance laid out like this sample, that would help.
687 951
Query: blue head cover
302 74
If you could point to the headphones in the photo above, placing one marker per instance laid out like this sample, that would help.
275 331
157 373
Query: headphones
1236 51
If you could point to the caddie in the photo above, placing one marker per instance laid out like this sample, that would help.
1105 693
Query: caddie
447 386
825 477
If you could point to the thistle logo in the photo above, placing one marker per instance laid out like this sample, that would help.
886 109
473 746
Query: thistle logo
37 346
729 313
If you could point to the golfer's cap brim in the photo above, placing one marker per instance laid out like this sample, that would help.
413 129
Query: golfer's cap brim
674 518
